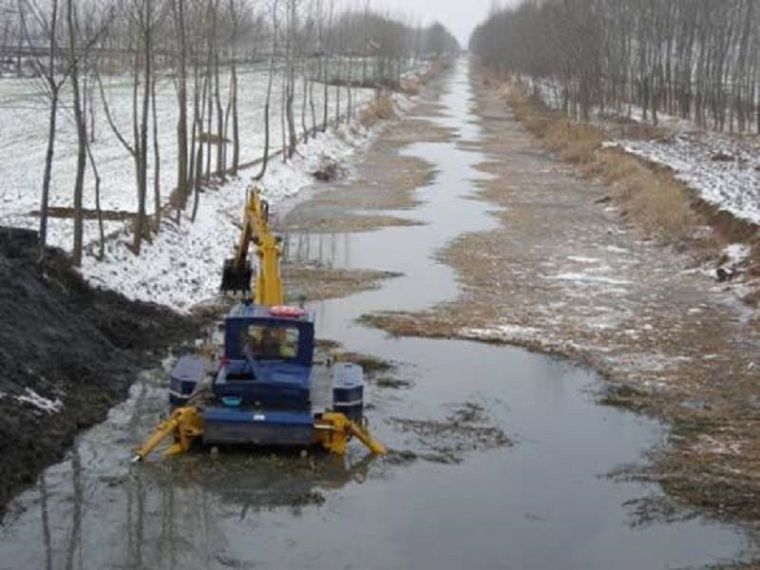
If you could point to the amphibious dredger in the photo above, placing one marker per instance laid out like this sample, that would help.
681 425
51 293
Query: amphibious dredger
263 389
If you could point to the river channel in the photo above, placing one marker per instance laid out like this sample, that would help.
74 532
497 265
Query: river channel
445 499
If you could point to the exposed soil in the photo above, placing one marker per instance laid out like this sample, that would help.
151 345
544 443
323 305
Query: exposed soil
76 347
105 215
319 283
385 180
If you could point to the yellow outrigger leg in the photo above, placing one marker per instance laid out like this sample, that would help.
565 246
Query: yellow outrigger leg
333 431
184 425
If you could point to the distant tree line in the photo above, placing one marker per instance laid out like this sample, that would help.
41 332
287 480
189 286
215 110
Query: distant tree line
313 48
697 59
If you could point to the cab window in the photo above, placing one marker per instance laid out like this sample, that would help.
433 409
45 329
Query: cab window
270 343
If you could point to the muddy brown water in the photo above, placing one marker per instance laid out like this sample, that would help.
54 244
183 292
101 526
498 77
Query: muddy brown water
447 501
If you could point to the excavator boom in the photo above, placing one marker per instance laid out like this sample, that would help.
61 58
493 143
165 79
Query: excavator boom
237 275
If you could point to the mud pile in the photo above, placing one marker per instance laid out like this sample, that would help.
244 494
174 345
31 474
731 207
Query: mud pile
68 353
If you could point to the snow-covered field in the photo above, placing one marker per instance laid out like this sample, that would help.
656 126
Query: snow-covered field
723 168
182 266
23 139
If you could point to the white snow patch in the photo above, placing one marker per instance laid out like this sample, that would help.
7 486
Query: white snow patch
585 278
46 405
582 259
502 332
23 143
737 252
710 444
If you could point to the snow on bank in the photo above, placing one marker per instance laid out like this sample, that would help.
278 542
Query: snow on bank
504 332
183 265
737 253
40 402
725 172
724 169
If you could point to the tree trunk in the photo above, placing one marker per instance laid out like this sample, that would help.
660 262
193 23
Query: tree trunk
326 95
235 122
197 184
220 163
156 162
182 148
47 173
142 146
98 210
55 91
81 127
265 157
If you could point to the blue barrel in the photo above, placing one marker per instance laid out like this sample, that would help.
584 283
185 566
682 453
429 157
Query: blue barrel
348 390
184 377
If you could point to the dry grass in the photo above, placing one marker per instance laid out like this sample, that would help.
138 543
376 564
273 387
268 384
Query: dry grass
659 206
650 196
379 109
641 131
626 128
414 86
411 87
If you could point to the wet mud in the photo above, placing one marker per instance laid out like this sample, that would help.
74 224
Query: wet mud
465 429
67 354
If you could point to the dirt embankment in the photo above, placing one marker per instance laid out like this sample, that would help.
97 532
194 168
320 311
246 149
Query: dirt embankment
67 354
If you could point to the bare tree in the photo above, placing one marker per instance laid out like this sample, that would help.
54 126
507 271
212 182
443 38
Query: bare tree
697 59
181 56
143 18
270 81
52 84
81 128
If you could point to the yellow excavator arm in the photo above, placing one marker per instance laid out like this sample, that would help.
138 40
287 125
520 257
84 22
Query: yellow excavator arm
267 289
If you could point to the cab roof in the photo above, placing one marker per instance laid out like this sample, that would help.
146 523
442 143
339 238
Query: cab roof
250 310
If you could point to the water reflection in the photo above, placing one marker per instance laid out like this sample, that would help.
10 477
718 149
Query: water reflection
164 515
327 250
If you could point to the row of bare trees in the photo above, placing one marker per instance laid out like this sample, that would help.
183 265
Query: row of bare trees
699 59
316 53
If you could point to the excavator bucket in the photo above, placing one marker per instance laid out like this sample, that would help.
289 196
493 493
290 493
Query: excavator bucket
234 280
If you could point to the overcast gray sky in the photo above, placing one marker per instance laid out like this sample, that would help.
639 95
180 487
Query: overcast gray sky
459 16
